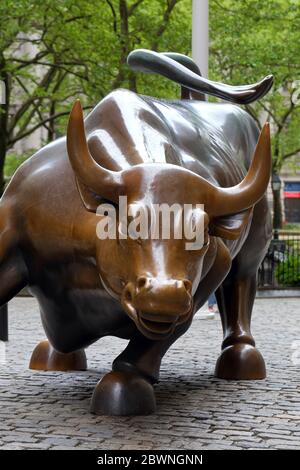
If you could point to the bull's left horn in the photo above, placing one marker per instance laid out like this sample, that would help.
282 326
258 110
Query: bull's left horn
252 188
104 182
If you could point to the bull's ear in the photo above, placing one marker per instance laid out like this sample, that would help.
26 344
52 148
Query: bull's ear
90 200
230 227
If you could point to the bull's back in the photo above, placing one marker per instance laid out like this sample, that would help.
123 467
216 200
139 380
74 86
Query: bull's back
216 140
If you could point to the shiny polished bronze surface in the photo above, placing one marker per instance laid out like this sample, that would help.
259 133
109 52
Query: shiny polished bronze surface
152 151
44 357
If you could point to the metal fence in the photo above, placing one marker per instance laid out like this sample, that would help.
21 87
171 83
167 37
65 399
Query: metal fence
281 267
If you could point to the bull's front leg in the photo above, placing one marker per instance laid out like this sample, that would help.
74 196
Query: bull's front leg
46 358
239 359
128 389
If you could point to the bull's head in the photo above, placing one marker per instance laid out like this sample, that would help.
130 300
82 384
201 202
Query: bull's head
157 279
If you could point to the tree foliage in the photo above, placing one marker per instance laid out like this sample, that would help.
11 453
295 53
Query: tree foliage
52 52
250 39
80 49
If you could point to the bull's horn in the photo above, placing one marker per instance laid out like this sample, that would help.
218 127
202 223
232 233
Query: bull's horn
252 188
102 181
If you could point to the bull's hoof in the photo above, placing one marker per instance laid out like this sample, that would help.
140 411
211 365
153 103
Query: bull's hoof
240 362
44 357
123 394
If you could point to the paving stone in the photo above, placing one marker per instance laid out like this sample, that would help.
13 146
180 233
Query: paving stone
50 410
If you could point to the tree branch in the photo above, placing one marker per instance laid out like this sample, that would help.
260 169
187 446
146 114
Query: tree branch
250 110
270 113
39 124
115 23
133 7
287 114
46 80
33 111
59 65
166 16
32 61
291 154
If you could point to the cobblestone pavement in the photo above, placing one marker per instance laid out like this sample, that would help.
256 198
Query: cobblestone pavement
40 410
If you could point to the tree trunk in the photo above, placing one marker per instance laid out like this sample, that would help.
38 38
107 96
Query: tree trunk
51 125
2 161
3 121
277 209
132 82
276 167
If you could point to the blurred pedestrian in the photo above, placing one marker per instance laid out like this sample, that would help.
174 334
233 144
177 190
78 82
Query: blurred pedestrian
212 303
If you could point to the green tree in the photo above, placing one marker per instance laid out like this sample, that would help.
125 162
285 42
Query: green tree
119 26
36 60
249 39
79 49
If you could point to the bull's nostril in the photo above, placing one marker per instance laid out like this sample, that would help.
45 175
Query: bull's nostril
128 295
141 282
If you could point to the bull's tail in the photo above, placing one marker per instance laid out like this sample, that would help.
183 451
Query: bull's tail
183 70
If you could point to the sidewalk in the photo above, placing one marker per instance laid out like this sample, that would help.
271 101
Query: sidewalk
41 410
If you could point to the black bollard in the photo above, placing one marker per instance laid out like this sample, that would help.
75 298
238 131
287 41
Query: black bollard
4 323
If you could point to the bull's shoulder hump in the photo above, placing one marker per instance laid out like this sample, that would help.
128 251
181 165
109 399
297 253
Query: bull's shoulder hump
124 130
118 105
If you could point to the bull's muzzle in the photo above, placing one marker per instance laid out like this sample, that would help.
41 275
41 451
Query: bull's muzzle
157 306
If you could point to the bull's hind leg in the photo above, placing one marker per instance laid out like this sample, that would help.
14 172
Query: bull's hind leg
44 357
239 359
13 277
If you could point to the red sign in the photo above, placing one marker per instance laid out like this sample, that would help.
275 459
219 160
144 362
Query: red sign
292 194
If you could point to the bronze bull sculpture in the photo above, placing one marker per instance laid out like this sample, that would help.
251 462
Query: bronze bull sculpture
152 151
